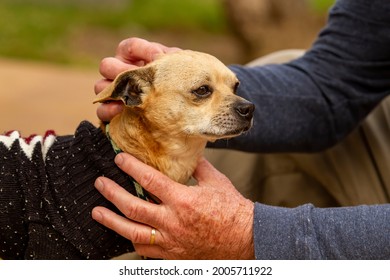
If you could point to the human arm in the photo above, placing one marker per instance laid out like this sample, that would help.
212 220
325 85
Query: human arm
313 102
307 232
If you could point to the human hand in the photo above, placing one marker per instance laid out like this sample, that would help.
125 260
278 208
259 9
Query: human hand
130 54
211 220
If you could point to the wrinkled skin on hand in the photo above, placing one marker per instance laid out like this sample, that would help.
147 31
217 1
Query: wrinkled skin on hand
210 220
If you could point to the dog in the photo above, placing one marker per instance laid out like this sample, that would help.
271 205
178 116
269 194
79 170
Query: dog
173 107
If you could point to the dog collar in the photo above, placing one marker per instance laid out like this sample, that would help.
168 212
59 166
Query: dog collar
141 192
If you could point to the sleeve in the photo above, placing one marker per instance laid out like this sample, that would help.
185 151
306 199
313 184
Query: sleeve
13 232
47 194
311 103
21 170
306 232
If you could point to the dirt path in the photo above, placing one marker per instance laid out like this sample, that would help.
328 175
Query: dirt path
35 97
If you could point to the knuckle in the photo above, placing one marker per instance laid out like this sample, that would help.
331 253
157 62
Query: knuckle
185 202
123 44
128 46
136 237
152 49
133 211
110 193
105 64
147 179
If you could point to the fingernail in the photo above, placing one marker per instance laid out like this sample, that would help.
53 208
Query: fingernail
119 159
99 184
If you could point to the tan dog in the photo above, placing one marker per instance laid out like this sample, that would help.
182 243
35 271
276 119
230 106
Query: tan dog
173 107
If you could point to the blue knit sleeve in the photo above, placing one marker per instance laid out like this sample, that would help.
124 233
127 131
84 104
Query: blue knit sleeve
306 232
313 102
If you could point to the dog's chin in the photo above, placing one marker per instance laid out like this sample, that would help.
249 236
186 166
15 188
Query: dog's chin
212 136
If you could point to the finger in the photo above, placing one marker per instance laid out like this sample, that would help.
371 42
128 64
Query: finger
206 172
172 50
107 111
152 180
154 252
136 232
133 49
110 67
101 85
131 206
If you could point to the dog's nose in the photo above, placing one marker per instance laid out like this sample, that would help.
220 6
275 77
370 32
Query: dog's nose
245 110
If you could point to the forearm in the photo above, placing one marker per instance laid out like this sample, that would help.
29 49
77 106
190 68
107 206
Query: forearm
313 102
307 232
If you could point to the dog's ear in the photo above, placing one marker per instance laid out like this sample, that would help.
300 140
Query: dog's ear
128 87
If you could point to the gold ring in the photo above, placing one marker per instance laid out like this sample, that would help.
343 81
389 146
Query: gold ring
152 236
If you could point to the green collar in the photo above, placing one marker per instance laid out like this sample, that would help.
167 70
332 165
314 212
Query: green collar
141 192
117 150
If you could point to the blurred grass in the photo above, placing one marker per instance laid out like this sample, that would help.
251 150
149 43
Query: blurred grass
321 6
49 29
80 32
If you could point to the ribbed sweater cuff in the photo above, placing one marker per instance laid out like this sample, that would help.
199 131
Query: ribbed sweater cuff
284 233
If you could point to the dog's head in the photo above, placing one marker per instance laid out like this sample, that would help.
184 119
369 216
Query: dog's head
186 92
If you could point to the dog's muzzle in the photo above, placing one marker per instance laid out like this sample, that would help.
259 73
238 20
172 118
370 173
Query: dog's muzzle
245 110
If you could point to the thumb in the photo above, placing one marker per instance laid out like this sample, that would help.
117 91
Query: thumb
107 111
206 172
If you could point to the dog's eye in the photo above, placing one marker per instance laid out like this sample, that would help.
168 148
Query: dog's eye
202 91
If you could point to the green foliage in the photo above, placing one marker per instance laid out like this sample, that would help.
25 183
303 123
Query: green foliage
178 14
45 29
67 31
321 6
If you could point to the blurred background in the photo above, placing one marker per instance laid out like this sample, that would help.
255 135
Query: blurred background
50 49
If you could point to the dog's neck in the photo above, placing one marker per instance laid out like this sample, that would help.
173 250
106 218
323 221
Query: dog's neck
174 155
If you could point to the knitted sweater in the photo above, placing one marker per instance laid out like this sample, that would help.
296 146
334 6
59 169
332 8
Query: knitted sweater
47 194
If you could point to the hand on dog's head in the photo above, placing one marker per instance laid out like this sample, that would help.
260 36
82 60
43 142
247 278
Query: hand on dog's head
190 89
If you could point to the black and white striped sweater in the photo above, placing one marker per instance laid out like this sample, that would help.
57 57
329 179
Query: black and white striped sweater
47 194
